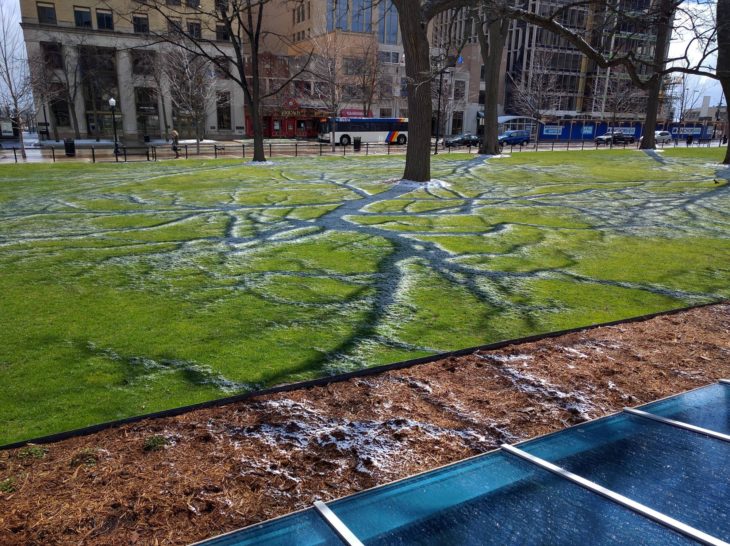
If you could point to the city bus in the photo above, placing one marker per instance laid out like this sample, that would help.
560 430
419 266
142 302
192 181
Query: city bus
391 130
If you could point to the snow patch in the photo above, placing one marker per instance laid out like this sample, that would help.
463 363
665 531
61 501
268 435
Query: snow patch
433 183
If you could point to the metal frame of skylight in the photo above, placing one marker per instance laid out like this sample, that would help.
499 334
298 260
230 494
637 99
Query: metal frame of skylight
678 424
338 526
617 498
714 540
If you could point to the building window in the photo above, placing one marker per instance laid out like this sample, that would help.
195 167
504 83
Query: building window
172 2
387 23
141 24
481 97
60 109
82 17
302 88
223 106
104 20
174 25
222 67
389 57
193 3
46 13
362 16
194 29
146 100
403 87
221 33
52 54
352 66
459 89
350 92
386 112
143 62
457 123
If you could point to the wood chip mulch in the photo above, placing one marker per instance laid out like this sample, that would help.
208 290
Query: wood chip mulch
181 479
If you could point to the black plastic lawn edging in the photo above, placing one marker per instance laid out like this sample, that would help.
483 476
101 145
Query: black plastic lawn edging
338 378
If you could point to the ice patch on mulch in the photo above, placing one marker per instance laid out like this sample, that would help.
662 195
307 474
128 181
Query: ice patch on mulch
260 163
374 444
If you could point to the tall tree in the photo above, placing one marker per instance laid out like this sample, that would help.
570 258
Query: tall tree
16 94
326 68
225 26
191 82
535 91
413 19
57 74
723 53
492 26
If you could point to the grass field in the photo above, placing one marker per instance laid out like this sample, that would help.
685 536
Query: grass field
133 288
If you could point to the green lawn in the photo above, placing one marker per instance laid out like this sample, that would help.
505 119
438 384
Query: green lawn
138 287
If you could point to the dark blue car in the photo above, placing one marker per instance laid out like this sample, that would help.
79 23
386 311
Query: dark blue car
514 138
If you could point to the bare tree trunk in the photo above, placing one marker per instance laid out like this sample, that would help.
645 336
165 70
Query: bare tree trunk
19 122
723 53
414 30
492 46
74 119
664 29
164 114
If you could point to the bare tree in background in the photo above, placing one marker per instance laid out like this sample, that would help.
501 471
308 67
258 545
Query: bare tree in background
16 89
535 91
689 92
237 24
57 75
191 80
326 67
620 97
369 74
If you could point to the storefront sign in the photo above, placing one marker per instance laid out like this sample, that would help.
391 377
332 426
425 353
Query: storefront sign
354 113
552 130
6 128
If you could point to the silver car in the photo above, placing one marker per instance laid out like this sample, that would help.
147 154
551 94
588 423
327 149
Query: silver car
662 137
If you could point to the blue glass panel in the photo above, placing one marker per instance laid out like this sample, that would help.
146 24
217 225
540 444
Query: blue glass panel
303 528
495 499
708 407
683 474
330 15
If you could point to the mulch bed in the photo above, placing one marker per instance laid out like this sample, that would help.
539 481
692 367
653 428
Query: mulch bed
181 479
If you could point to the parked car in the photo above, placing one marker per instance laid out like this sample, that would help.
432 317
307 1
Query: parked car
514 138
464 139
661 137
615 137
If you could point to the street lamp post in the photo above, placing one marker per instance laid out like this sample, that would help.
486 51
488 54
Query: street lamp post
438 113
113 106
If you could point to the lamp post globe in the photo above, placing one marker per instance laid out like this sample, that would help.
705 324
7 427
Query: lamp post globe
113 106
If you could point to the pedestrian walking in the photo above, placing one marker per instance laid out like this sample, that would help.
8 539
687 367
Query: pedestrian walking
175 142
